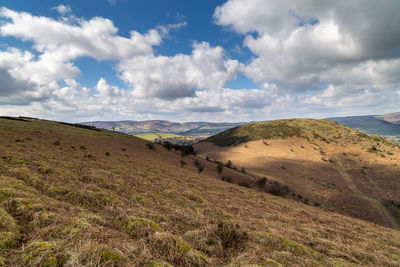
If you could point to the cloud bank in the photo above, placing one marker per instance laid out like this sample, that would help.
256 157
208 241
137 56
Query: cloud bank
309 58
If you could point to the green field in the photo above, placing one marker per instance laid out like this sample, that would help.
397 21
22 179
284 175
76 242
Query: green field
152 136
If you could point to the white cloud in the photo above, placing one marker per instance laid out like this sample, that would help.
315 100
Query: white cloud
62 9
97 38
181 75
299 43
312 58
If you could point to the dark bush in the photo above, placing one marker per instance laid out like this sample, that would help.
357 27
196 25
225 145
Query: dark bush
56 143
243 170
219 168
229 164
226 179
277 189
167 145
261 182
199 166
182 163
244 184
150 145
107 153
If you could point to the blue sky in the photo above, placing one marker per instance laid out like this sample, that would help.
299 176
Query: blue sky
142 16
222 60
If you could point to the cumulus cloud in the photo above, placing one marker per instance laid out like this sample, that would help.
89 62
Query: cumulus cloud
309 45
311 58
67 40
62 9
179 76
154 83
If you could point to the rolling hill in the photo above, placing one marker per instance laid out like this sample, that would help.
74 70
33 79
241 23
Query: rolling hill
326 163
80 196
390 117
159 126
387 125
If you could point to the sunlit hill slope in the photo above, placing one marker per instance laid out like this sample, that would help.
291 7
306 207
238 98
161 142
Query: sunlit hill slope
72 196
325 163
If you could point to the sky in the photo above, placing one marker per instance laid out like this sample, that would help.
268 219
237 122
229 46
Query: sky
214 60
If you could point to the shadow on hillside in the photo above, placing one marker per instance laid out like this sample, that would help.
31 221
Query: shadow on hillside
345 185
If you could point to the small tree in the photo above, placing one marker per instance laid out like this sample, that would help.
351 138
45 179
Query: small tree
261 182
182 163
167 145
229 164
200 167
219 168
149 145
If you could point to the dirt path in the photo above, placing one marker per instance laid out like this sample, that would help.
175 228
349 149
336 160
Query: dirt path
342 170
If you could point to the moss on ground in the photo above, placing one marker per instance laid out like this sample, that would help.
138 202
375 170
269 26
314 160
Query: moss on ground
175 250
40 253
9 231
138 227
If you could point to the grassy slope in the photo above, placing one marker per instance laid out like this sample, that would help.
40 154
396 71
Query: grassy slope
70 196
343 170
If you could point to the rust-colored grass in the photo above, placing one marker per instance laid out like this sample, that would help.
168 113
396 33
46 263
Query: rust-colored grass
77 197
335 166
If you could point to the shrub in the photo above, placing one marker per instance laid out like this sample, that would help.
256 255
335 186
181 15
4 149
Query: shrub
123 149
182 163
244 184
107 153
261 182
219 168
243 170
229 164
150 145
227 179
277 189
56 143
199 166
168 145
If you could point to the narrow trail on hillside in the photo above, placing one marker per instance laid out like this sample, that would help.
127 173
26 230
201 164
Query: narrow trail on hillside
342 170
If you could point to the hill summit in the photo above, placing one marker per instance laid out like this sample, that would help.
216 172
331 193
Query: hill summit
321 161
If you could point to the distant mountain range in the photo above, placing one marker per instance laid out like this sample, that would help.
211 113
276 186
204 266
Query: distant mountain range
160 126
387 125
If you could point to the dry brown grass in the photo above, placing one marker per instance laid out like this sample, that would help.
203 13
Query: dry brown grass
329 164
64 206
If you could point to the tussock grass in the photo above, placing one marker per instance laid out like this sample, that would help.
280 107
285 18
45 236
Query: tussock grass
58 208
